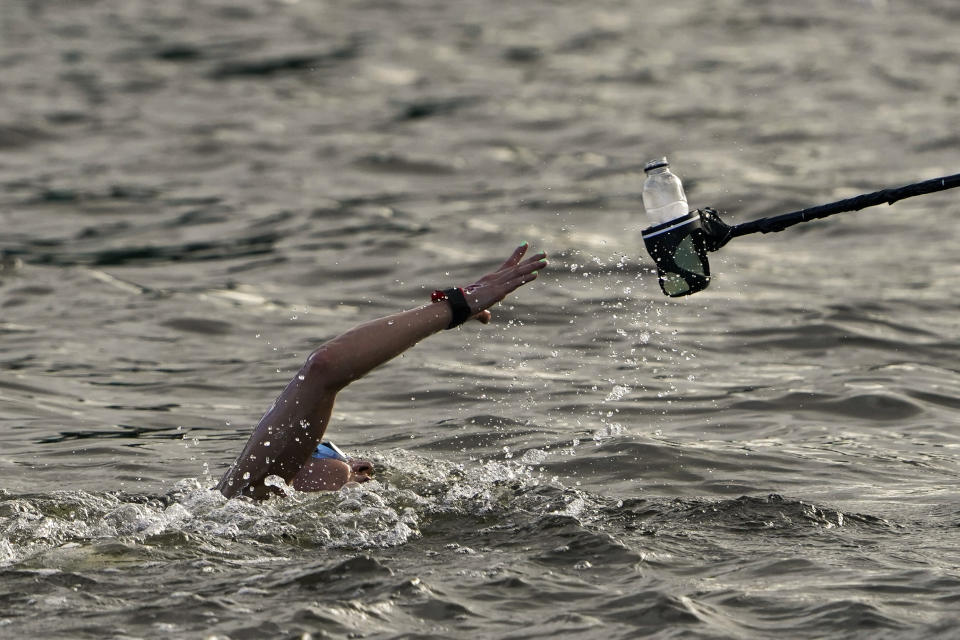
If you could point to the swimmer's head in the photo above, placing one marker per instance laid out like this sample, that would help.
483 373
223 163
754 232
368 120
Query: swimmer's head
329 468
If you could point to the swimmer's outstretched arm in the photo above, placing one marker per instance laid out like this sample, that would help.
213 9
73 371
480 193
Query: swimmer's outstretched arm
290 430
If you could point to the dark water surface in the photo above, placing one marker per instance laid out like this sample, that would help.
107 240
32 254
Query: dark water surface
196 193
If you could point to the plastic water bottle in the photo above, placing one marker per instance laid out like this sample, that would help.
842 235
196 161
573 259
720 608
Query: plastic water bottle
663 196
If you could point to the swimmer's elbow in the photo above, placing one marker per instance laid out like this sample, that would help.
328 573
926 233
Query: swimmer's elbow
321 371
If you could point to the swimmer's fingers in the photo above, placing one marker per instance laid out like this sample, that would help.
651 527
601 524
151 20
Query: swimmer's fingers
534 263
504 274
515 256
485 295
525 268
494 287
519 274
519 281
512 285
538 257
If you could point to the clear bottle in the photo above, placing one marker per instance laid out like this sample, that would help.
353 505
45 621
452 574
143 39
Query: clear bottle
663 196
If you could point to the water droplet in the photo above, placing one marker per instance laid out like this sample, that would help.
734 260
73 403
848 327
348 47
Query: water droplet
246 476
301 377
267 443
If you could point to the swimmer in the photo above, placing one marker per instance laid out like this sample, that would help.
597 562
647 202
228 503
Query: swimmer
288 441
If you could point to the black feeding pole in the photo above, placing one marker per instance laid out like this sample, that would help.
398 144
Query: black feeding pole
889 196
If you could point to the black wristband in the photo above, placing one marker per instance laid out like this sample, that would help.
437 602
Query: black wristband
458 306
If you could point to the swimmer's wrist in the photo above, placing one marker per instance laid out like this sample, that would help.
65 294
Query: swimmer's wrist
457 300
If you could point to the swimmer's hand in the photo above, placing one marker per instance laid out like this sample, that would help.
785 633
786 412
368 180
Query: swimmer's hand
494 287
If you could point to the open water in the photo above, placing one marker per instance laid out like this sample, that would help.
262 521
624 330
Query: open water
196 193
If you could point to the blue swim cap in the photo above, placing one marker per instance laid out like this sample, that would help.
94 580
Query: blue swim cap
327 449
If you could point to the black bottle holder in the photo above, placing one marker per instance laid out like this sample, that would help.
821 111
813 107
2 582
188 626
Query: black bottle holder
679 248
